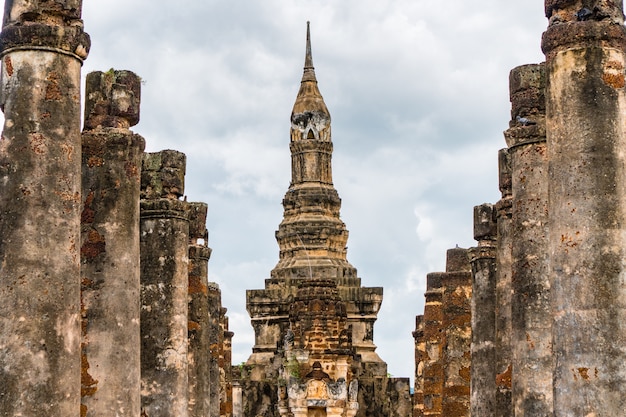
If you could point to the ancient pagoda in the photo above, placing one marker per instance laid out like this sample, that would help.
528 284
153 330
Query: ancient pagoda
314 353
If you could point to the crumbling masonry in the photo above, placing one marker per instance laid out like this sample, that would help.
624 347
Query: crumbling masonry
548 294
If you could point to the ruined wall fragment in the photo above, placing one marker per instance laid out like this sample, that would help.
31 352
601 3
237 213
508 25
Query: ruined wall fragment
456 322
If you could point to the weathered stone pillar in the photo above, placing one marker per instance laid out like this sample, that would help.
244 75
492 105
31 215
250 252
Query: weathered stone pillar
216 343
199 357
531 303
164 286
111 155
225 363
434 338
586 140
483 261
456 302
420 358
503 407
42 46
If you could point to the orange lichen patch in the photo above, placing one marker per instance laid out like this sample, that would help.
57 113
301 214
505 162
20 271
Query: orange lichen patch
37 143
94 245
584 373
95 161
88 384
614 80
504 379
614 74
9 65
132 171
196 286
88 214
193 326
465 373
53 91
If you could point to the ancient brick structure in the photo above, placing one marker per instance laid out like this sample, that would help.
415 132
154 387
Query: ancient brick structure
314 352
443 341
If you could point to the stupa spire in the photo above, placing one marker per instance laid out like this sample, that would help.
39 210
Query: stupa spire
309 69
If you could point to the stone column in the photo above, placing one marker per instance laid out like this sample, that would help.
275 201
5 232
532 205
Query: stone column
503 407
111 158
586 140
42 46
216 341
420 357
199 357
164 286
457 325
434 338
531 303
483 261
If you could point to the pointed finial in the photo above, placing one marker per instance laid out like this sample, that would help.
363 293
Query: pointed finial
308 60
309 70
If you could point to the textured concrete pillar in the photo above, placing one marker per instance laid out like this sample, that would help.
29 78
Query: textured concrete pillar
483 261
456 321
199 357
503 288
531 302
111 164
164 286
420 357
434 338
42 46
586 140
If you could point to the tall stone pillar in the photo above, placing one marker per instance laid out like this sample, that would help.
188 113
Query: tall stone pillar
503 407
531 303
111 159
199 357
164 286
42 46
216 343
434 339
420 357
483 261
586 140
225 364
456 312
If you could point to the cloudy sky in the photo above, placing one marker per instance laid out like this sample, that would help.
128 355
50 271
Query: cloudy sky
418 93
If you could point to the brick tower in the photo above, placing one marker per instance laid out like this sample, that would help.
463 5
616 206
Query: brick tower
314 321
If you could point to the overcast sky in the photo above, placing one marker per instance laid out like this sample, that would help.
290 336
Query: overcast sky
418 94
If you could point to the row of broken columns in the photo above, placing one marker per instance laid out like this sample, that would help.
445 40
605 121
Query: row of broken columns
548 292
105 305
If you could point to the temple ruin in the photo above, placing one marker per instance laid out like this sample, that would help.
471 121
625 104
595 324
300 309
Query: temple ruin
548 290
106 307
